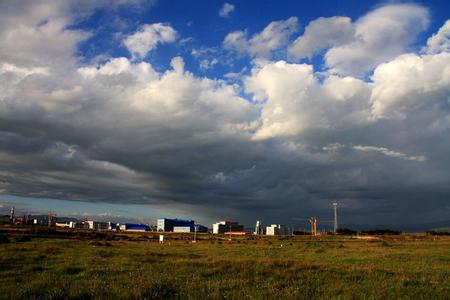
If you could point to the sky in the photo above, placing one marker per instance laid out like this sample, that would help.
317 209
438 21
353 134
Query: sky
211 110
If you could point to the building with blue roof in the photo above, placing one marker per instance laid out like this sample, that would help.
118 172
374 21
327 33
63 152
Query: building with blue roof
167 225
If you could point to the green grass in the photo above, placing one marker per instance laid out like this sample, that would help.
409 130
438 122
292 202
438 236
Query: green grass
405 267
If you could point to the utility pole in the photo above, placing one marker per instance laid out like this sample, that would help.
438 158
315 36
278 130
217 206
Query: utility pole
335 217
195 233
12 213
50 219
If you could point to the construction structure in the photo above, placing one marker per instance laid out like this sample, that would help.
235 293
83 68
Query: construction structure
276 229
227 227
50 219
313 222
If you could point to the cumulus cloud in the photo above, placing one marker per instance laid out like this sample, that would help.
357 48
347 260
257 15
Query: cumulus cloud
120 66
295 101
262 44
148 37
440 42
356 48
322 33
409 83
226 10
36 35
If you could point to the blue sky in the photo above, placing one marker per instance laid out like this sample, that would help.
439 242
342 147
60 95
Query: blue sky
238 110
199 22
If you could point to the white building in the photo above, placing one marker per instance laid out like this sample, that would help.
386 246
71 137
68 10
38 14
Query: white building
276 229
69 224
183 229
95 225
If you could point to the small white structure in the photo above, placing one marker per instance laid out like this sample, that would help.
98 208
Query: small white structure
89 224
161 238
276 229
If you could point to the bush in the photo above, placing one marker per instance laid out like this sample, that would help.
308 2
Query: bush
345 231
301 232
433 232
4 239
380 232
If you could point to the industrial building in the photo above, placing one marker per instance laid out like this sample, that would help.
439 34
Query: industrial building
193 228
69 224
167 225
227 226
95 225
136 227
276 229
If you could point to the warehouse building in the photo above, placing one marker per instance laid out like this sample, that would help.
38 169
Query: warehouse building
95 225
167 225
227 226
69 224
276 229
193 228
136 227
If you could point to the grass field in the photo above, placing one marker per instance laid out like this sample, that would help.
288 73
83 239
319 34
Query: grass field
246 267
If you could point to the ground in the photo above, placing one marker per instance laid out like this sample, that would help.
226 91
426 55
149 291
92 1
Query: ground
84 265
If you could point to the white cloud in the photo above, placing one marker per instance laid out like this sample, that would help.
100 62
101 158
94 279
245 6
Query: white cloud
22 72
293 100
36 35
179 95
273 37
226 9
356 48
148 37
322 33
206 64
440 42
390 153
379 36
116 66
409 82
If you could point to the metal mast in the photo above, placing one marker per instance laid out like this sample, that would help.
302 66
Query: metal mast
335 217
258 227
12 214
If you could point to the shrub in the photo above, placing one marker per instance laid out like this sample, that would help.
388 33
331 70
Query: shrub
381 232
433 232
4 239
345 231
